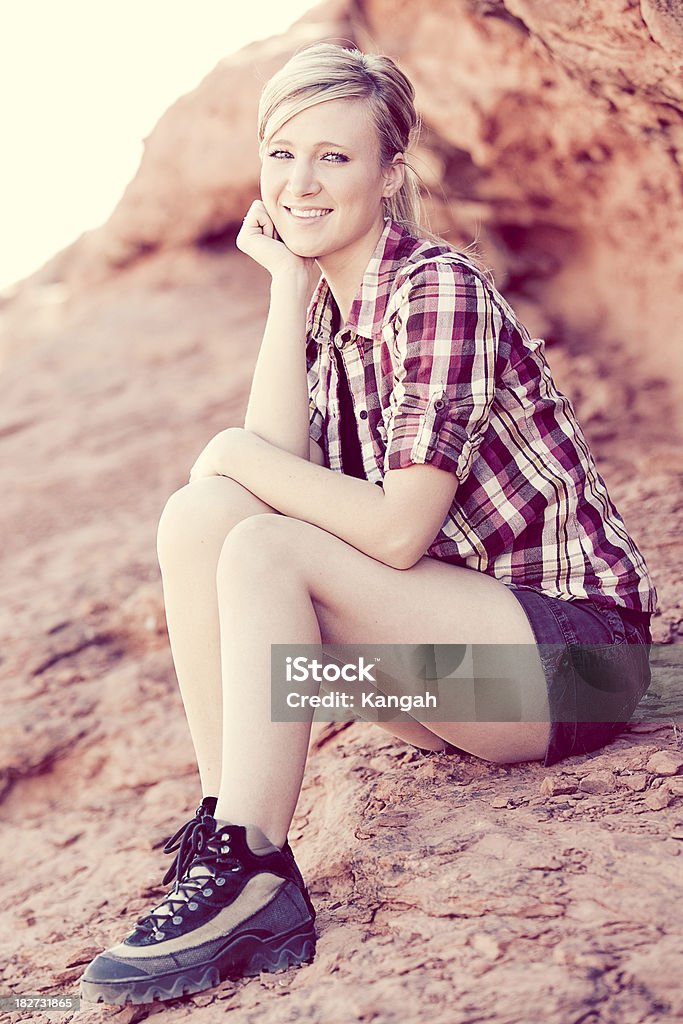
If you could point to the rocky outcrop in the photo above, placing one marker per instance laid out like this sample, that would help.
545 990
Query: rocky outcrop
570 157
567 163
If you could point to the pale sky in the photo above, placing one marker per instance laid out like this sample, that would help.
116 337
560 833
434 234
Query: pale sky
81 84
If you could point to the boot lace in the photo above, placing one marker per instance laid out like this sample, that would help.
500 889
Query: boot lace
185 842
204 860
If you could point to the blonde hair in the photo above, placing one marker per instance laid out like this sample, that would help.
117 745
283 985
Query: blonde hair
327 71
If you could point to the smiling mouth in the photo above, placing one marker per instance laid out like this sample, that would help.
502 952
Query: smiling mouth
307 214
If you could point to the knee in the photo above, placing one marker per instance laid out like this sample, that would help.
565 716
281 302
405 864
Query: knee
259 546
175 519
189 513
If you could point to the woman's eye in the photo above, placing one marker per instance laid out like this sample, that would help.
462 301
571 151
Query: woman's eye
339 158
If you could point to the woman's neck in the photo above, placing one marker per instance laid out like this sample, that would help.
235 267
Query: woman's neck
344 270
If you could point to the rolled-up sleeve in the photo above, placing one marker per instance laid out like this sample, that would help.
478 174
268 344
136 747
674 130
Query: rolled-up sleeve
447 330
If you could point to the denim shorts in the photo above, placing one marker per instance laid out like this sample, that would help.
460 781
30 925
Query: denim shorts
597 669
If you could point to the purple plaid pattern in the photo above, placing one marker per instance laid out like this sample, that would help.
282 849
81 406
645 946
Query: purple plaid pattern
442 372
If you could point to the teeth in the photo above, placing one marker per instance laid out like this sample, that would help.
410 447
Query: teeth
309 213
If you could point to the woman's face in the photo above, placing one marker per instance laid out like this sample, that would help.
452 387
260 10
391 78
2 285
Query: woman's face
325 160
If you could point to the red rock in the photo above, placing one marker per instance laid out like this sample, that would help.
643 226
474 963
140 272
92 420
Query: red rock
598 783
637 782
658 799
552 786
665 762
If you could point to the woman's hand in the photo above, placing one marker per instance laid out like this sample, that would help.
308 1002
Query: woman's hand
214 460
259 239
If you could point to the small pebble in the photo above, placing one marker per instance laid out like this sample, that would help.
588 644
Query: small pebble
486 945
557 787
637 782
598 782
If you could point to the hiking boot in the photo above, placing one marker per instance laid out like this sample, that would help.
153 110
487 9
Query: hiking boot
184 842
237 909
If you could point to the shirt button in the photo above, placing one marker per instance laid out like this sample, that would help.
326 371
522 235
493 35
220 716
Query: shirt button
363 414
439 404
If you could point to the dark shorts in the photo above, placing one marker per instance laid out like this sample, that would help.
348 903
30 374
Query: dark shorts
597 668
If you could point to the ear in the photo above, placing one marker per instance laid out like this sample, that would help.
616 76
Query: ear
395 176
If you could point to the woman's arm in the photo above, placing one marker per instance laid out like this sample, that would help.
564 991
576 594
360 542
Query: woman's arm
394 523
278 409
278 404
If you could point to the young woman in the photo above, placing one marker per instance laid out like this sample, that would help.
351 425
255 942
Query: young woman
408 473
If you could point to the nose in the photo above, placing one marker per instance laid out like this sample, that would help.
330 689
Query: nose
302 179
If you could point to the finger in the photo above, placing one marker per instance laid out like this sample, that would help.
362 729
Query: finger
265 224
257 219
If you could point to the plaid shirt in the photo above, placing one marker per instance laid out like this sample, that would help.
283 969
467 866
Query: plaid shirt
441 371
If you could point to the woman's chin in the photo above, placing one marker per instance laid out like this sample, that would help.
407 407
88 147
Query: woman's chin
301 249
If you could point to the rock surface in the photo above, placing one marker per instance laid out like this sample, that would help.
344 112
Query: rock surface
444 884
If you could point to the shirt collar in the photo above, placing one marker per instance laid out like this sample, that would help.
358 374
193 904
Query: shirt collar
366 316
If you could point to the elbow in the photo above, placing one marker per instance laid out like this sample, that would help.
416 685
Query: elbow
403 555
407 561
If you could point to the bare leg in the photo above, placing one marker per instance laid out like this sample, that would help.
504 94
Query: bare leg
241 580
261 602
193 526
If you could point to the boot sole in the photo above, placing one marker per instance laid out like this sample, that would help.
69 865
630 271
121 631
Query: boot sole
245 956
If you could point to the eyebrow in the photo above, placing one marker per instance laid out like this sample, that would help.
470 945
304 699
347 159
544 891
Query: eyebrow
325 142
